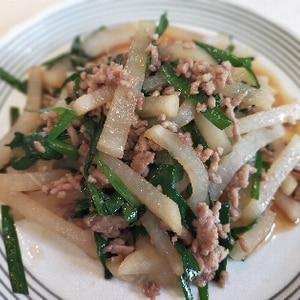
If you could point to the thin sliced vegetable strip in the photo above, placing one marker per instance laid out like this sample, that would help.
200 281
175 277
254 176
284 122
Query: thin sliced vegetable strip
241 153
14 259
125 98
186 156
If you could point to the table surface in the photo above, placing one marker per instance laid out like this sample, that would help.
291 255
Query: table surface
286 13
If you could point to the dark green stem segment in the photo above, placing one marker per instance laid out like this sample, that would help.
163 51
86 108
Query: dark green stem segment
257 176
118 184
21 86
13 253
66 119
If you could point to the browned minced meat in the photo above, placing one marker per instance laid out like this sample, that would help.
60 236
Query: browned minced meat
205 76
97 176
214 156
155 62
110 226
223 279
230 104
139 149
205 246
185 138
151 290
66 183
240 180
141 161
104 74
118 246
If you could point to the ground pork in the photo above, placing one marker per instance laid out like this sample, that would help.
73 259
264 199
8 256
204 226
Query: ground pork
110 226
205 247
118 246
209 78
103 74
66 183
97 176
151 290
230 104
155 62
239 181
141 161
185 138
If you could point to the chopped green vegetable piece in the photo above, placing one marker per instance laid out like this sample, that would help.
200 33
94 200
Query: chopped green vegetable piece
78 56
203 292
190 268
101 242
162 25
94 129
235 232
224 215
23 163
221 55
257 176
118 184
130 213
114 203
13 253
196 135
14 115
66 119
31 155
214 115
186 288
96 198
53 61
21 86
167 176
190 264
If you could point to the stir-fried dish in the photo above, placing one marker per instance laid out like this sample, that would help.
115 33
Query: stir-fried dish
158 151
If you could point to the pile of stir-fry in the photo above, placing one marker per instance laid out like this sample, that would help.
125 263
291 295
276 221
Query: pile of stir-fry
153 148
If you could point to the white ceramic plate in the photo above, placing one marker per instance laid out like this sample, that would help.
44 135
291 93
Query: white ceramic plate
55 269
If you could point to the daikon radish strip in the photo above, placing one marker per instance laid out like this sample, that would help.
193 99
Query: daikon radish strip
28 120
185 113
281 114
285 162
179 33
242 152
162 105
88 102
154 82
187 157
262 97
161 205
116 128
289 184
251 239
28 181
37 213
101 41
289 206
55 76
143 261
180 51
213 136
161 240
